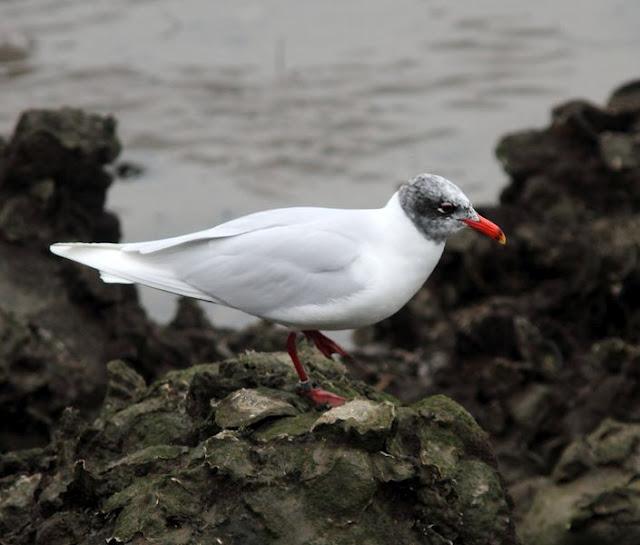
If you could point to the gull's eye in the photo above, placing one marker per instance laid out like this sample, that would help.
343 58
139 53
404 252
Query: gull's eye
446 208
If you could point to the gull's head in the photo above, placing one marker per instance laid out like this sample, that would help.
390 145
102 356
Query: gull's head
439 208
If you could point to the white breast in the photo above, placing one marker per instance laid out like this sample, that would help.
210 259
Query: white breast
395 262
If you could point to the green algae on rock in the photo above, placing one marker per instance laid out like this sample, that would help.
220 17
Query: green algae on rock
214 454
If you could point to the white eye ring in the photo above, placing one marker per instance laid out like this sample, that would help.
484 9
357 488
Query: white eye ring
446 208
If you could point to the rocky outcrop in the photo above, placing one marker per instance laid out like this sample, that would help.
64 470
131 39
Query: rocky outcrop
52 178
52 185
228 453
592 496
59 323
538 340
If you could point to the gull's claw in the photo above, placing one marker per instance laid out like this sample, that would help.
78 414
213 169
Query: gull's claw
325 345
320 397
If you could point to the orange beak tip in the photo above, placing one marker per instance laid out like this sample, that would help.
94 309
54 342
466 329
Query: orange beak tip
487 228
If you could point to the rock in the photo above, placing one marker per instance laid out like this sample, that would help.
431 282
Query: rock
626 98
287 428
586 120
246 407
594 497
445 432
52 180
539 339
620 151
610 355
143 470
14 46
530 407
128 170
515 153
39 376
125 385
360 416
59 323
17 497
20 462
361 419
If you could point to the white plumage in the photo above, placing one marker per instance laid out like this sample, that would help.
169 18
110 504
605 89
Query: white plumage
307 268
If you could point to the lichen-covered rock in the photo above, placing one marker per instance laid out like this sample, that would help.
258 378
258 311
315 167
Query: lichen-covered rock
593 496
260 466
359 418
246 407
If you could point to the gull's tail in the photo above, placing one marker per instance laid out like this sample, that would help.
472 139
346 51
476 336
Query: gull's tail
126 264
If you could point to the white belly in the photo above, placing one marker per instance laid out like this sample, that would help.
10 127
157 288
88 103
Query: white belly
394 287
394 267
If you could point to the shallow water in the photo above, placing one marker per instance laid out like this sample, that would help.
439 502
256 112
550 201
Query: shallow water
236 107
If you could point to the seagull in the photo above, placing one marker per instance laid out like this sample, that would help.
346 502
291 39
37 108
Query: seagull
308 269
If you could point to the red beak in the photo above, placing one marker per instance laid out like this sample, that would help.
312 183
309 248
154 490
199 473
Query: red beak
487 228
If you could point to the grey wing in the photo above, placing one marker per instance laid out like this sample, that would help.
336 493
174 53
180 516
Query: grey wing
259 263
268 270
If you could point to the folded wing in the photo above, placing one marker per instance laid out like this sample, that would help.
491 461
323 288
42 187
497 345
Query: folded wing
261 264
279 268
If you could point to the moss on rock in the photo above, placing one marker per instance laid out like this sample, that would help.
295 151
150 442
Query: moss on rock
217 453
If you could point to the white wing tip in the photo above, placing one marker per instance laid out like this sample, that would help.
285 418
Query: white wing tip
113 279
64 248
60 248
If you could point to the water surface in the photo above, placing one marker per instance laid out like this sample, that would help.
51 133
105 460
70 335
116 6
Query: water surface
233 107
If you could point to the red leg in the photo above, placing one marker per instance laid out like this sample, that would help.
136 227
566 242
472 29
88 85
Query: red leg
293 354
317 395
327 346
